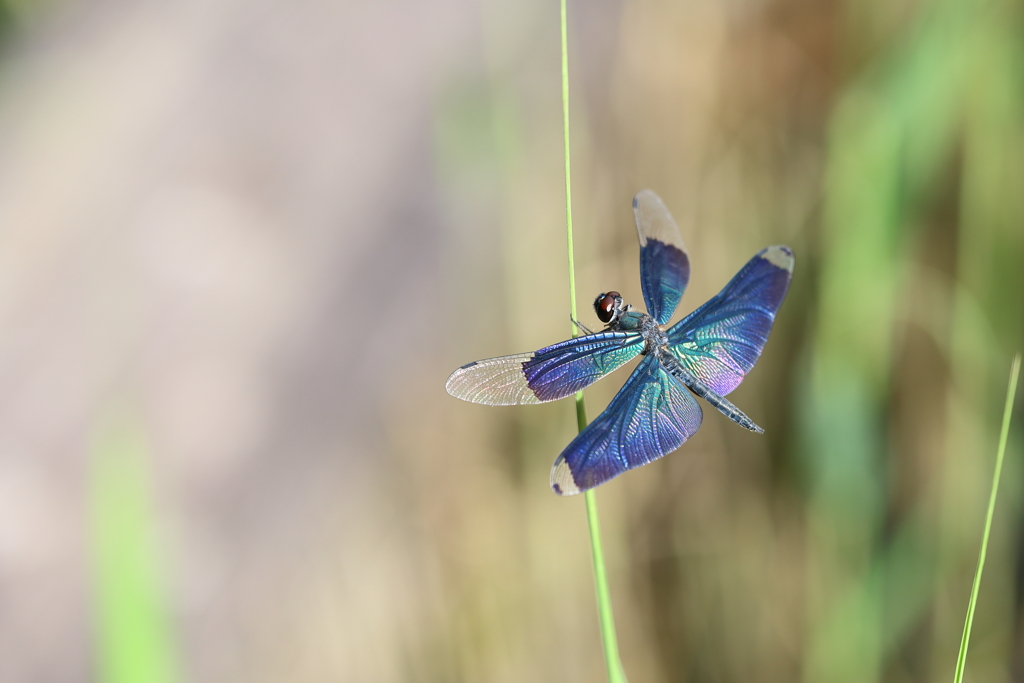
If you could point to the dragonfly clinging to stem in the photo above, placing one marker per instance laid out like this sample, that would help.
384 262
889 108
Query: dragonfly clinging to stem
708 353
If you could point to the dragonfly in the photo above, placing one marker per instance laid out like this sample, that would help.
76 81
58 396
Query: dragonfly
706 354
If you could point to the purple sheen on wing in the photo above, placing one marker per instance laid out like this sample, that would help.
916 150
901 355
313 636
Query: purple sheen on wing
721 341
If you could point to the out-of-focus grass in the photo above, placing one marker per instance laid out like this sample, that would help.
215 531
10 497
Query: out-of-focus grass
133 635
939 98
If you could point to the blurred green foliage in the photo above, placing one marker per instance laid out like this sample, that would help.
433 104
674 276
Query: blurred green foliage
948 96
133 632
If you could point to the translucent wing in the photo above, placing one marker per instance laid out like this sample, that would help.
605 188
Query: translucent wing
720 341
553 372
664 265
653 414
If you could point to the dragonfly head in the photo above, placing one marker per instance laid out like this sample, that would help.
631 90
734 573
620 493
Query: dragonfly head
609 308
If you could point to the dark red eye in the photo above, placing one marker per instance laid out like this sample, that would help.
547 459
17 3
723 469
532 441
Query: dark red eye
604 306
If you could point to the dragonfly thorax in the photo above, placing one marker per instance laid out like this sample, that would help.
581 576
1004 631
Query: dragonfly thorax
654 334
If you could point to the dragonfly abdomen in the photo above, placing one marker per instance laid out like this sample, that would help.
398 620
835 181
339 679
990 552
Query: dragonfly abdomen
674 368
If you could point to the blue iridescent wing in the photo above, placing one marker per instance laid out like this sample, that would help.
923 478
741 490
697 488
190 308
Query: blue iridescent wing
720 341
553 372
653 414
664 265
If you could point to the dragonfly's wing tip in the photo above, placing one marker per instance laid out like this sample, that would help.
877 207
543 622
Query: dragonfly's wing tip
493 381
645 194
780 256
562 481
451 385
664 265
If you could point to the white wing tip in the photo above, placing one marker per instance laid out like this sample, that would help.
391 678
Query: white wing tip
493 382
452 383
654 221
645 194
562 482
779 255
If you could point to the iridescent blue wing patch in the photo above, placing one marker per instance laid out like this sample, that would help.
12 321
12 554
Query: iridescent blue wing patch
720 341
653 414
546 375
664 265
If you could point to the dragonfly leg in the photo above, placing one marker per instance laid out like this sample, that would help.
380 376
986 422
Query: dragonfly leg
580 326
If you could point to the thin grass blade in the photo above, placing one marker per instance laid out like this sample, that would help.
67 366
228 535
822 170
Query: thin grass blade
961 659
604 603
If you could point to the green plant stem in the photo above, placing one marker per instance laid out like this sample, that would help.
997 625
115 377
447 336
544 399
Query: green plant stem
961 659
604 603
568 199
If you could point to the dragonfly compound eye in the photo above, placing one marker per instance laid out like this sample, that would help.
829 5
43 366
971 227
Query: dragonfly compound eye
604 305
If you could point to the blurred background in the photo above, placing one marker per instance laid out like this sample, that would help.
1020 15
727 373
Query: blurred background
244 242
